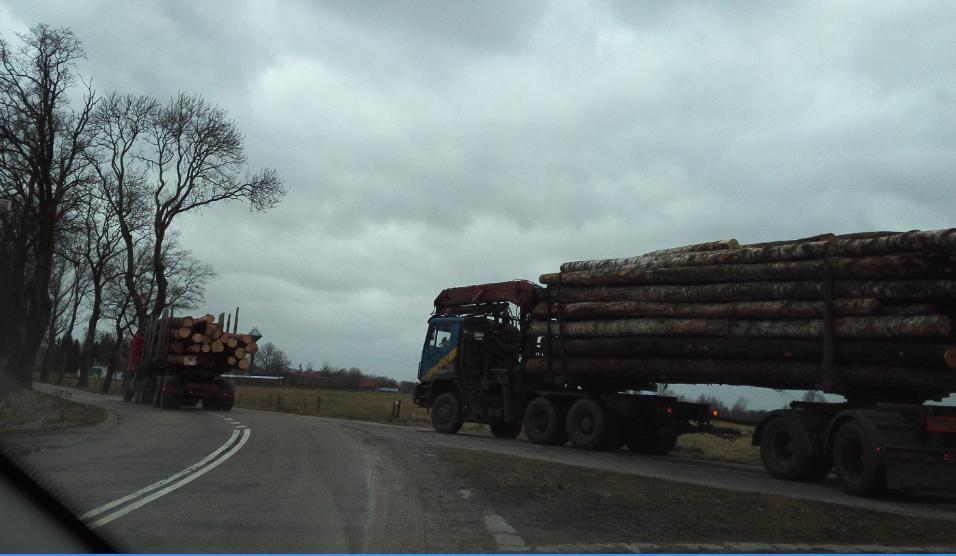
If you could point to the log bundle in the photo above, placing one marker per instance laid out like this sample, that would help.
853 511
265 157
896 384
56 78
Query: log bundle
202 342
869 315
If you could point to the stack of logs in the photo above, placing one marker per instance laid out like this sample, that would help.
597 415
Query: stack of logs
203 339
866 313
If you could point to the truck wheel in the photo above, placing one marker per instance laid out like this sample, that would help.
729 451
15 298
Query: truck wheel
786 451
543 422
502 429
446 413
158 392
588 424
856 461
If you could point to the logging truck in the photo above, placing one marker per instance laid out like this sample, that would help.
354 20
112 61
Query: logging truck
178 361
473 368
494 354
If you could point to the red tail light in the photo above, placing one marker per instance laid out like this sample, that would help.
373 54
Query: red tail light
669 410
714 412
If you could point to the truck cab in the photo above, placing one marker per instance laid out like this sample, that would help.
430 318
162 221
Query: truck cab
470 364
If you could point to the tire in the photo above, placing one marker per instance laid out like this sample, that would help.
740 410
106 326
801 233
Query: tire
446 413
857 465
787 453
588 425
502 429
544 423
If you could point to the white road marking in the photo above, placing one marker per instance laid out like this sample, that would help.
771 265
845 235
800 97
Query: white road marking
505 535
170 483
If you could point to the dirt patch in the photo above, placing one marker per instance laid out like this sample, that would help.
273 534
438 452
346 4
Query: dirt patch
553 504
29 411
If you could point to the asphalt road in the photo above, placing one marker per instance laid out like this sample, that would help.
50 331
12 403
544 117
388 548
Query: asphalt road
248 481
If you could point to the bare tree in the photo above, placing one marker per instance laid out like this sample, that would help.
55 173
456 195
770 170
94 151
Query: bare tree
159 162
41 170
271 359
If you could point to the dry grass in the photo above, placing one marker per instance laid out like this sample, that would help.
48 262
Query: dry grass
708 446
29 411
360 406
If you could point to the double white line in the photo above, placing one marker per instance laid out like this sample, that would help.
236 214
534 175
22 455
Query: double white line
122 506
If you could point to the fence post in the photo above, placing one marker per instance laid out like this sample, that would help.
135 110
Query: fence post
318 404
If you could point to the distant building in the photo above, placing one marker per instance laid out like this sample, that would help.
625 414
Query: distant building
388 389
368 385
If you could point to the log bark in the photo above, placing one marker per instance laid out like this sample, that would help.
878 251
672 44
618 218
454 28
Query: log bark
934 240
760 291
892 353
846 327
746 309
181 322
718 245
767 374
820 237
908 265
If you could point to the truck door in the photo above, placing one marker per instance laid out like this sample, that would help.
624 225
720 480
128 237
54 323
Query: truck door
440 352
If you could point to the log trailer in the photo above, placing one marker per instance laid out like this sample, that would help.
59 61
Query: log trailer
474 368
170 380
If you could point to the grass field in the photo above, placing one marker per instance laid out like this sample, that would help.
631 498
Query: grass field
361 406
29 411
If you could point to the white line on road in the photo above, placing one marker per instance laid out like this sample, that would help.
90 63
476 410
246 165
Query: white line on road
170 483
505 535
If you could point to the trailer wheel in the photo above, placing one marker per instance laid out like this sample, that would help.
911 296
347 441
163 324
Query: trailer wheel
588 425
543 422
446 413
856 461
786 451
503 429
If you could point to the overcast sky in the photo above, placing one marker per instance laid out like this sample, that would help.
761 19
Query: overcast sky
435 144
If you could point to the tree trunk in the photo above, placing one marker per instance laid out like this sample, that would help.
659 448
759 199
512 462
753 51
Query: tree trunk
935 240
908 265
718 245
90 338
746 309
846 327
767 374
899 353
761 291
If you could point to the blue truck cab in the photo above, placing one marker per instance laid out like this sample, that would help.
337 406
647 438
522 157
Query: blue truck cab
441 350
